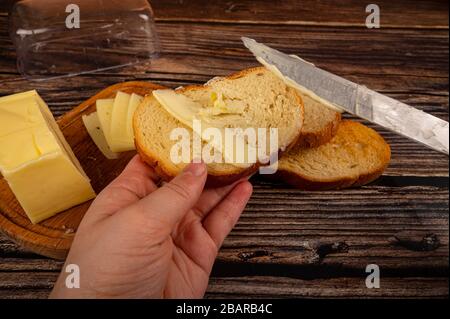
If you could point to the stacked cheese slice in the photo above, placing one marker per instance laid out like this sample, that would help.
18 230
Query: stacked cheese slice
115 117
36 160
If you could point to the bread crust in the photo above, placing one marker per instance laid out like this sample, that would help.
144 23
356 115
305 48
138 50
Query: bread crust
213 180
314 139
300 181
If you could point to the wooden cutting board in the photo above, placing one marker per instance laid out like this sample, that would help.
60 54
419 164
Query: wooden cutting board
53 237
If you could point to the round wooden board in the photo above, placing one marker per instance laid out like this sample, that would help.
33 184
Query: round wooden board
53 237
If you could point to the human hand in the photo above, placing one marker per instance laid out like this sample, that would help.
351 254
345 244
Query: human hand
140 241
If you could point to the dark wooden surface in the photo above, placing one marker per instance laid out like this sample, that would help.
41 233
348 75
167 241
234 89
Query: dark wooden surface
290 243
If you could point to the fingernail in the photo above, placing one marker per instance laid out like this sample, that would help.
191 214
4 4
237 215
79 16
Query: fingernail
196 169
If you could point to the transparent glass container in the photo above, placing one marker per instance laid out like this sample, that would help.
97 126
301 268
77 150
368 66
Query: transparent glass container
59 38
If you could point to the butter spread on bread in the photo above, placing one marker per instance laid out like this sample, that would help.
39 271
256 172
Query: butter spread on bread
190 112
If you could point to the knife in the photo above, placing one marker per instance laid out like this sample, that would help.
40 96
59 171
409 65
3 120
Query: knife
356 99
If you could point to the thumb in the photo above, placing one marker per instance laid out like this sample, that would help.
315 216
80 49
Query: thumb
171 202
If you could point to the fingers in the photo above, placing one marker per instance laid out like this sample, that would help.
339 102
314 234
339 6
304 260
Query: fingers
211 197
222 219
135 182
171 202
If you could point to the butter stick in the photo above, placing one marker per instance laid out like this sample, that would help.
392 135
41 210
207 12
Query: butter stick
36 160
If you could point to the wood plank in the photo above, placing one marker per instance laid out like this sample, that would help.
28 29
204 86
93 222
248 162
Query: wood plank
27 280
404 13
342 50
25 293
39 285
373 224
279 287
36 264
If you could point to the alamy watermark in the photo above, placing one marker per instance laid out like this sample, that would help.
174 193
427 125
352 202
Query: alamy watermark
73 18
373 19
373 279
73 277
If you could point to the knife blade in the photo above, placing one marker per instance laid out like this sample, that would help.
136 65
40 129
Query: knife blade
356 99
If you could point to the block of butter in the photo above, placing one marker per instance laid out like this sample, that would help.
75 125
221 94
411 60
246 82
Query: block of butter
35 159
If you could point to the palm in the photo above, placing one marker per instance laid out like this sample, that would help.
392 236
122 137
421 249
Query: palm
184 258
193 254
140 241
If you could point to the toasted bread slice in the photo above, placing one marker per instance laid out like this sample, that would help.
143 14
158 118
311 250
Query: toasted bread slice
320 125
355 156
269 103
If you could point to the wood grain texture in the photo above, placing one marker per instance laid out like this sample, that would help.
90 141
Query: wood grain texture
38 285
53 237
414 14
291 243
372 224
270 287
394 14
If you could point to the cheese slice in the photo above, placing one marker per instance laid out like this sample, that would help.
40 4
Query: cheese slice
135 100
104 113
36 160
93 126
115 117
187 110
119 142
179 106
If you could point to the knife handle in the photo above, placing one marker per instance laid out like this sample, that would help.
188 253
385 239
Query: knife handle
403 119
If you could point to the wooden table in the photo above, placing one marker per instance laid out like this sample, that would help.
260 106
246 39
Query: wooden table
291 243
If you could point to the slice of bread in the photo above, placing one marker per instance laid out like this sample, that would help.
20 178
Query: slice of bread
320 125
269 103
355 156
